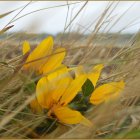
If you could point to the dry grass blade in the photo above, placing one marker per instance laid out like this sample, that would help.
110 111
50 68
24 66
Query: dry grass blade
6 29
76 15
43 9
5 14
17 14
94 32
7 119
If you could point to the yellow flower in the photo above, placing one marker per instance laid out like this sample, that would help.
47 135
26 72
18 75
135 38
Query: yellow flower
55 94
43 59
104 92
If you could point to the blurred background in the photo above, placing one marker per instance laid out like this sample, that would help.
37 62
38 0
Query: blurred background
50 16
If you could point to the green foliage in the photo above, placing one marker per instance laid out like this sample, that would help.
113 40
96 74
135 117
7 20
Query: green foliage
81 101
87 88
134 134
79 106
30 87
78 97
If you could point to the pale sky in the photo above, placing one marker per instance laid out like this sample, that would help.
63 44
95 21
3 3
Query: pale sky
53 20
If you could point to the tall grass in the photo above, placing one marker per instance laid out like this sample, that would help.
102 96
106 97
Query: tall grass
118 119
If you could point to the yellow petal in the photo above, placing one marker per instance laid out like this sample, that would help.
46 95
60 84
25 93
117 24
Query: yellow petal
73 89
95 74
69 116
106 91
49 92
79 70
43 93
60 86
42 50
26 47
35 106
62 69
54 60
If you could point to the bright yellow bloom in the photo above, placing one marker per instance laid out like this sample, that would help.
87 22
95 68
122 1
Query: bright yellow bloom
62 69
103 92
55 94
43 59
106 92
92 75
35 106
51 65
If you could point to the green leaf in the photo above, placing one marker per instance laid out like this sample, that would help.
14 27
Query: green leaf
78 97
78 106
87 88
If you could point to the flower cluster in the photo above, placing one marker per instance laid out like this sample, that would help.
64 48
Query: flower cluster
57 89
